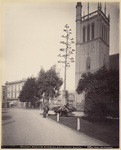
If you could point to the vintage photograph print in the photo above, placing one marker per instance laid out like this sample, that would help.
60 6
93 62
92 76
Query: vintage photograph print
60 74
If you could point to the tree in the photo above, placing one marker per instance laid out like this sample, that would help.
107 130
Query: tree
29 91
102 93
49 83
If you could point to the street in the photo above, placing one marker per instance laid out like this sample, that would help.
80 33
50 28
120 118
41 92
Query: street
28 127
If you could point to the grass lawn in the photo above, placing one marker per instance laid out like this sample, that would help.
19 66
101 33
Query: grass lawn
106 131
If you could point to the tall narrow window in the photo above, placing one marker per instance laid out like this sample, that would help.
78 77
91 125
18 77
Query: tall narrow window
84 34
104 61
93 31
12 87
106 35
88 63
15 87
88 32
102 31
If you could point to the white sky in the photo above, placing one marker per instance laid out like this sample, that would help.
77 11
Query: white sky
31 35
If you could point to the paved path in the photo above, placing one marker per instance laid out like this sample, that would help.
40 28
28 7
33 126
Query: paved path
27 127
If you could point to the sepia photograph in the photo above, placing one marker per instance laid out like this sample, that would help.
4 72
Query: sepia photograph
60 74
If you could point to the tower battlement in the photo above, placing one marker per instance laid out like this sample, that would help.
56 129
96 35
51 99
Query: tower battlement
95 14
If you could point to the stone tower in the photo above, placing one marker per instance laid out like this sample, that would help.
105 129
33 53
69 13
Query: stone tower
92 43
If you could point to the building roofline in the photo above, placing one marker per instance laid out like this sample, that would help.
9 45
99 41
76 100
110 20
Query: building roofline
15 82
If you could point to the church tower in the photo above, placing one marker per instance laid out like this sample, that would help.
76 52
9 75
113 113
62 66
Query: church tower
92 43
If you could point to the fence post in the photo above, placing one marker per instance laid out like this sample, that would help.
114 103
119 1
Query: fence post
57 117
78 124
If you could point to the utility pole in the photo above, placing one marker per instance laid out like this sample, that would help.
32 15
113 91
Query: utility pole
66 54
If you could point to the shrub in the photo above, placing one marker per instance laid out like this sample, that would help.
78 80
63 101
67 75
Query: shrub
64 110
102 93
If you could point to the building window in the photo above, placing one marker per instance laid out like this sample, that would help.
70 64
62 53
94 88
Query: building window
19 87
15 87
93 31
84 33
15 94
11 88
88 63
104 61
88 32
102 31
106 35
7 88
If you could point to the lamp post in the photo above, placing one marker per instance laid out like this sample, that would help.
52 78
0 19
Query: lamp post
66 54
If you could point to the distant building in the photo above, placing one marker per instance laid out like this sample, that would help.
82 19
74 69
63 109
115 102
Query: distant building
13 89
57 101
71 98
4 94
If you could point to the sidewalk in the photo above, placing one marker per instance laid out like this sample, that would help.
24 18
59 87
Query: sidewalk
75 113
28 127
67 136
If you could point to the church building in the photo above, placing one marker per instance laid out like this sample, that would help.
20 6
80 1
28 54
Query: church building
92 43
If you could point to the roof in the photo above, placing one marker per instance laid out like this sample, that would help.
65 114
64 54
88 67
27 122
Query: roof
15 82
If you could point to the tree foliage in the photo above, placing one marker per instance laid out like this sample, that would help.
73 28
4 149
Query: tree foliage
49 83
29 91
102 92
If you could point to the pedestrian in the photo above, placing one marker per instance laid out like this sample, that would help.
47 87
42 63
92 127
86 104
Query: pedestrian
44 112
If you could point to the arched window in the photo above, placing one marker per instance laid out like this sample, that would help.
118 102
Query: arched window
102 31
104 61
88 32
93 31
106 35
84 34
88 63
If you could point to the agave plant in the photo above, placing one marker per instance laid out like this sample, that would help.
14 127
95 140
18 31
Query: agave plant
64 110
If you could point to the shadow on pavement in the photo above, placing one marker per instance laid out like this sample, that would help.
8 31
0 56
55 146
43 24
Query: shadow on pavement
4 109
6 117
4 112
8 122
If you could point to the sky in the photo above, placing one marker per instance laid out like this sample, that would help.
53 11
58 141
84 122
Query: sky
31 35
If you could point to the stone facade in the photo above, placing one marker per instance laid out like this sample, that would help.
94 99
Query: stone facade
4 96
92 43
13 89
